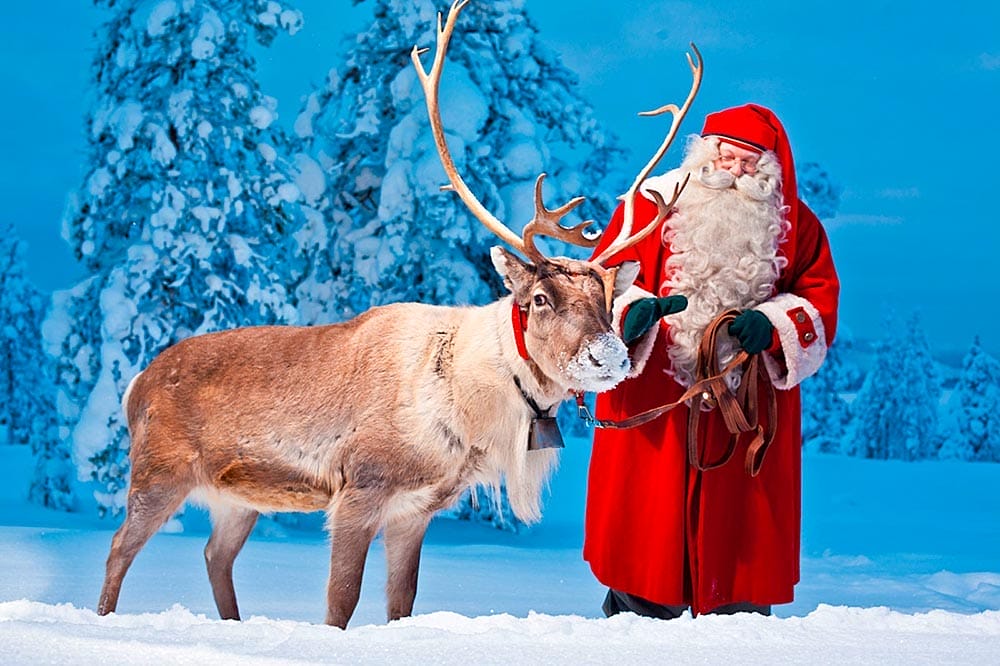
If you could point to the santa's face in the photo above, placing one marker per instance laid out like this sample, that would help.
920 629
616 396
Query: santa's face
736 160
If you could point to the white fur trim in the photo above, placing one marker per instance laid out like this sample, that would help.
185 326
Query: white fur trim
800 361
664 184
639 350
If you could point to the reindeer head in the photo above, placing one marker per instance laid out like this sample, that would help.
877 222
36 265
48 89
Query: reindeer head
564 304
562 308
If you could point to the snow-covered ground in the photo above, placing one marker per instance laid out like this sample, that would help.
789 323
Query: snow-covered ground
901 565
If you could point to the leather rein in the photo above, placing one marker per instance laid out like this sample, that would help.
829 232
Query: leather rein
740 410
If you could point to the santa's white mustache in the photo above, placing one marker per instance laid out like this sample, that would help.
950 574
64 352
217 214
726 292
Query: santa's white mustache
757 186
717 179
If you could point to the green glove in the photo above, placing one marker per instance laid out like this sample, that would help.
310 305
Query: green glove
752 330
645 312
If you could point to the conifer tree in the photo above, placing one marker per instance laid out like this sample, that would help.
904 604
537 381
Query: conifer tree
510 111
976 406
895 413
825 412
818 190
872 411
186 217
27 412
20 306
919 385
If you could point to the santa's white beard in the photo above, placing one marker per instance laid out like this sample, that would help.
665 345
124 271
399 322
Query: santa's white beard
723 241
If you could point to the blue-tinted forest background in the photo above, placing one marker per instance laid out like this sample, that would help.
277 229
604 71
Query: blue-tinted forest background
890 108
896 101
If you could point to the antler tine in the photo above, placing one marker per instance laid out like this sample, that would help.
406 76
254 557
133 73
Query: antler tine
546 223
430 83
663 209
625 239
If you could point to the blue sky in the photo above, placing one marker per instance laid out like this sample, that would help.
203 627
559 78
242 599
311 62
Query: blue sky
897 102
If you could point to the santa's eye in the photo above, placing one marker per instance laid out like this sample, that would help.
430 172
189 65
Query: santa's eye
540 300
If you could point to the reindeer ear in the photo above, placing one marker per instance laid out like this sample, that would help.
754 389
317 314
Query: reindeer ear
625 276
517 274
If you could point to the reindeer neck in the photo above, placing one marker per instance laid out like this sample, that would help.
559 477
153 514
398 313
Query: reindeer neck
529 376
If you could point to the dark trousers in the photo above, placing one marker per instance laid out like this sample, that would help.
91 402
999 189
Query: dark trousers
623 602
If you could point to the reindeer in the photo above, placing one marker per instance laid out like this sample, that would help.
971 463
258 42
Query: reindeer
385 419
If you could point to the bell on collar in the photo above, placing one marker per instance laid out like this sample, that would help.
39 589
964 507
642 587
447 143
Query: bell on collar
544 434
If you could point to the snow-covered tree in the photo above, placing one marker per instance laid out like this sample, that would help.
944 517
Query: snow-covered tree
895 412
27 412
818 190
976 409
21 309
868 433
186 217
825 411
919 385
510 111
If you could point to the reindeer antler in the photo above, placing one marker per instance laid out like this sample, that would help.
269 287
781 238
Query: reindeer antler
546 221
625 238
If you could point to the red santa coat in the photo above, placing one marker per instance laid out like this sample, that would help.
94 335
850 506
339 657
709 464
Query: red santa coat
658 528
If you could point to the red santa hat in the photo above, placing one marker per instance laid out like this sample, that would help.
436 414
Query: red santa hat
756 128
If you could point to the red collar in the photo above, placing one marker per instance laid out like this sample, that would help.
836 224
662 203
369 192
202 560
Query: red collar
519 321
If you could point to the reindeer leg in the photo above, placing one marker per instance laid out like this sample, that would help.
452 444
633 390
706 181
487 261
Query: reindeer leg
403 540
146 512
352 525
231 525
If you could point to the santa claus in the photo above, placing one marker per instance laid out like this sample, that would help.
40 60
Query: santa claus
662 534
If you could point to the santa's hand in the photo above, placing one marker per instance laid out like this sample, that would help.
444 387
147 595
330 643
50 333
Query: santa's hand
645 312
752 330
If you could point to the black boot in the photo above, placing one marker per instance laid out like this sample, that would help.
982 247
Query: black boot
622 602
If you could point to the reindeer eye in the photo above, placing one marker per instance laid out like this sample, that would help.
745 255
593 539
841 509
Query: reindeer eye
540 300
